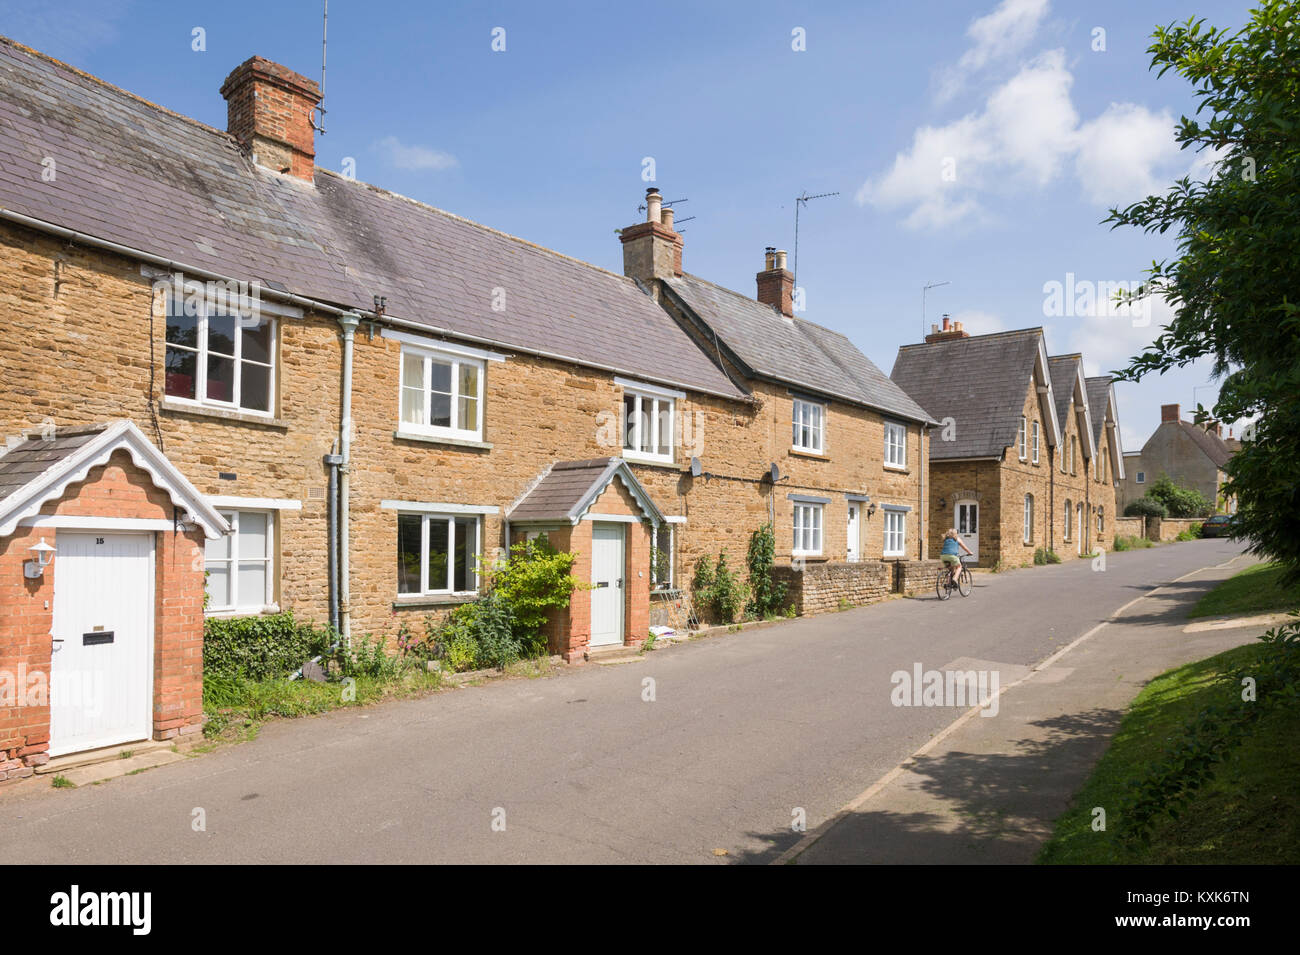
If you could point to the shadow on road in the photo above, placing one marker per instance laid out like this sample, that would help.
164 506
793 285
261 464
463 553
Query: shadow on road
991 800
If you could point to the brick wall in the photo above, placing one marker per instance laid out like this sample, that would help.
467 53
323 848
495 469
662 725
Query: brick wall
1130 527
826 587
952 482
913 577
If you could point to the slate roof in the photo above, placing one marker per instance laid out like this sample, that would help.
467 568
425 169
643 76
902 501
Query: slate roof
566 489
1064 370
136 174
979 381
793 351
1215 448
1098 397
29 459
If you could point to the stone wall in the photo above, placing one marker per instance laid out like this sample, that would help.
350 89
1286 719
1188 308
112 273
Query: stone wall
913 577
826 587
1168 528
1130 527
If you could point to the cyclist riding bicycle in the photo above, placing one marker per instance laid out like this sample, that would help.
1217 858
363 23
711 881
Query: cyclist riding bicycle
950 553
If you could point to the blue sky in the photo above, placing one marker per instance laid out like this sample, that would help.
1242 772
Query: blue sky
974 143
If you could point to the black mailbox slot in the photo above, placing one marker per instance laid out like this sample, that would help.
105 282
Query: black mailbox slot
97 636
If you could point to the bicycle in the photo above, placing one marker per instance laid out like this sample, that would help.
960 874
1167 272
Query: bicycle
944 585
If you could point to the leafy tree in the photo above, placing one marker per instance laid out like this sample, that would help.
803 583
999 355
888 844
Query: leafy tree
1179 501
766 596
1234 285
1146 507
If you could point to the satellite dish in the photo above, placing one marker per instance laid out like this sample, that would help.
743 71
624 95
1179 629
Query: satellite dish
696 467
774 473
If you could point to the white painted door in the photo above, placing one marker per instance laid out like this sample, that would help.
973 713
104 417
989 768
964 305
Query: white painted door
968 525
607 576
851 551
1079 530
101 669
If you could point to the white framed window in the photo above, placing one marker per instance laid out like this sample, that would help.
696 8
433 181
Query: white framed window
895 445
662 557
1068 509
1101 520
1029 518
240 566
808 529
441 394
809 421
895 533
1074 446
648 425
1141 477
214 355
1022 437
437 553
1035 446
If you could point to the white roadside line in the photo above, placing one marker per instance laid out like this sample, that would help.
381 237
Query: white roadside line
883 782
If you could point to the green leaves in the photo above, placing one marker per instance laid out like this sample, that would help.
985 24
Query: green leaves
259 647
767 596
1234 284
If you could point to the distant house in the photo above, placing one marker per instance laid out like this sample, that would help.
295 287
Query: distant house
1193 456
1026 453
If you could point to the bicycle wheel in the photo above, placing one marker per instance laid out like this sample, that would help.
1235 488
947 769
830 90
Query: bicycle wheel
964 582
943 585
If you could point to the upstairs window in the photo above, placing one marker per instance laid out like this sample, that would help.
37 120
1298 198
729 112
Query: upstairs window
1021 438
1141 477
441 394
895 445
648 425
217 356
809 426
1035 446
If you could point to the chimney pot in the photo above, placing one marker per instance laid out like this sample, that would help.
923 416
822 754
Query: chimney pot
666 217
653 205
934 329
780 259
945 322
769 258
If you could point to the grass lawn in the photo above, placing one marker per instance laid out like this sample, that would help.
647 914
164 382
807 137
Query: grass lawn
1250 812
1255 590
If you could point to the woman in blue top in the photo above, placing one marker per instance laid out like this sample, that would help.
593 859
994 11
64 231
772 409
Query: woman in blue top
950 553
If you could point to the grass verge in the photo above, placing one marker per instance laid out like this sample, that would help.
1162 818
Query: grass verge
1246 814
1256 589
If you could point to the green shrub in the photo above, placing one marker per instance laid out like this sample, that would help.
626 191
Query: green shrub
1190 534
1040 557
535 581
1053 557
261 647
1146 507
767 596
1123 542
365 657
717 588
1178 500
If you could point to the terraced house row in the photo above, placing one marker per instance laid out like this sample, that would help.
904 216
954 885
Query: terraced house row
236 382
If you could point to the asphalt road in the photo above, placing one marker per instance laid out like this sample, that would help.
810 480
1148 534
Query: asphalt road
744 730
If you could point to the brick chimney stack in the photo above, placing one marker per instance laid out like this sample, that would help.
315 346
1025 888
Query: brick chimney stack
776 282
1214 428
1170 412
950 332
652 249
271 110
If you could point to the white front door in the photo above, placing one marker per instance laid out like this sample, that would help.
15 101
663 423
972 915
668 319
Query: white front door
851 552
607 578
968 525
101 668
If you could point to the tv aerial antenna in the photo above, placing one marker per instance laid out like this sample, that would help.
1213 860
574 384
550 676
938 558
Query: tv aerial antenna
324 35
799 202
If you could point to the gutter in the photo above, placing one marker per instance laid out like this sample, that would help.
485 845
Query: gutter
348 323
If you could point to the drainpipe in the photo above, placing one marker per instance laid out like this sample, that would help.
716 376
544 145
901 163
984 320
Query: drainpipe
922 529
333 461
348 322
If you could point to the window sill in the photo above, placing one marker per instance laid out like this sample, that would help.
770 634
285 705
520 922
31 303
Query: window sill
815 455
171 406
433 600
651 462
434 439
242 612
666 593
809 558
899 468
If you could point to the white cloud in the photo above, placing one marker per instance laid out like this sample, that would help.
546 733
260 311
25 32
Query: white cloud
979 323
997 35
1027 133
1120 152
405 156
